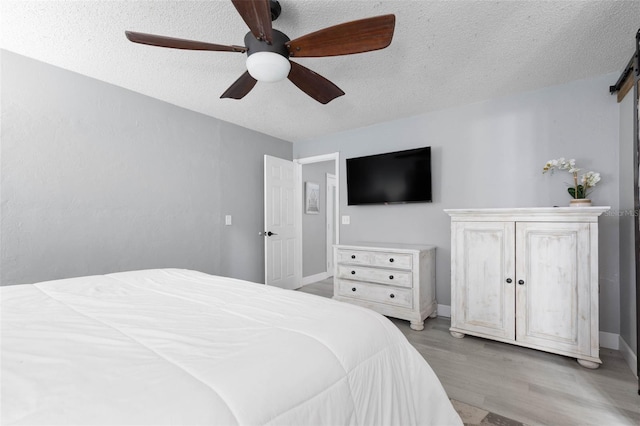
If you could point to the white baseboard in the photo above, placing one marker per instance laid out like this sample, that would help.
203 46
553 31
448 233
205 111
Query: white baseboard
444 311
607 340
629 356
315 278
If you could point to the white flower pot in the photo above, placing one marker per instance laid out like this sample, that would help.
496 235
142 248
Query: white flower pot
580 202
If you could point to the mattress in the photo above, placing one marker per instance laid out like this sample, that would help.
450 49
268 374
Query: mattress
180 347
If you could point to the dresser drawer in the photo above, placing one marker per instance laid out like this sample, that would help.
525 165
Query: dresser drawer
374 258
354 257
376 293
391 260
376 275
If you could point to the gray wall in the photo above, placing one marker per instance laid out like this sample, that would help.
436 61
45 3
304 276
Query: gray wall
314 236
98 179
491 154
627 239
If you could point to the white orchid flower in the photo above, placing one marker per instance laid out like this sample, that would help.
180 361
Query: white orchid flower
588 180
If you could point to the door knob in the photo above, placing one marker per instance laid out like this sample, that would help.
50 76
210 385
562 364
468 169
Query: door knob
509 280
521 282
268 234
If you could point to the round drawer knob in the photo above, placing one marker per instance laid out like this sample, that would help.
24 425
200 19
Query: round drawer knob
509 280
353 272
353 256
521 282
353 289
392 295
391 260
390 277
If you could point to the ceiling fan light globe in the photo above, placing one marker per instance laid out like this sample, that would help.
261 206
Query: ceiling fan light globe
268 66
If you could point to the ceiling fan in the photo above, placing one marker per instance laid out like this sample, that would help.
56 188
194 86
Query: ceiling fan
268 50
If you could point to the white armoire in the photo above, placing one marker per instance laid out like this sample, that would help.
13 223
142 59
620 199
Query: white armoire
528 276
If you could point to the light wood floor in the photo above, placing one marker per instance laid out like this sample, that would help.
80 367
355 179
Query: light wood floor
530 386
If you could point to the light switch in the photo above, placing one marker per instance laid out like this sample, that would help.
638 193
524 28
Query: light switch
227 219
346 220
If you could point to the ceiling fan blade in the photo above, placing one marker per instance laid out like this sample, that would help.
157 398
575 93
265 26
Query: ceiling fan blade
257 16
313 84
359 36
178 43
240 87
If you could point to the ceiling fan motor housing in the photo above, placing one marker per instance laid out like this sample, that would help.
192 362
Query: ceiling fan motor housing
277 46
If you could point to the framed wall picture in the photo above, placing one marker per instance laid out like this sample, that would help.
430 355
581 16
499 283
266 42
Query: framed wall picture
312 198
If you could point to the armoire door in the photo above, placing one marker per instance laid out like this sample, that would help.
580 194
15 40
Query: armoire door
553 303
483 275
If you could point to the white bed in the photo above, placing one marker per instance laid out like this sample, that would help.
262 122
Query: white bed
170 346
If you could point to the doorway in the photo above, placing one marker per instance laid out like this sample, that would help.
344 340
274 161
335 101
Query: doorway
319 230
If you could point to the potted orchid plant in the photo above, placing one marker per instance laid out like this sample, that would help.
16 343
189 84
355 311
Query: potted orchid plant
581 187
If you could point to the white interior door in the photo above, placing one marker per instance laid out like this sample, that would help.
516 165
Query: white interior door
280 230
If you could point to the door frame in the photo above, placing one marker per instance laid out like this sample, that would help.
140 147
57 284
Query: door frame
299 211
330 231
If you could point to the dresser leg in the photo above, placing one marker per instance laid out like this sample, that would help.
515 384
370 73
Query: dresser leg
588 364
457 335
417 325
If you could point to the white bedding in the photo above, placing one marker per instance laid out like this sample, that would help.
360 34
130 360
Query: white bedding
180 347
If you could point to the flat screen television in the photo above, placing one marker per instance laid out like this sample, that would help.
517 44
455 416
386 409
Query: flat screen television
393 177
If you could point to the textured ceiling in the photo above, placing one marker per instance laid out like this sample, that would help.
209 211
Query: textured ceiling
444 53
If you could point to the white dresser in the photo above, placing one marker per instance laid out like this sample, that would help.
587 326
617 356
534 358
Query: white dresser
397 280
528 277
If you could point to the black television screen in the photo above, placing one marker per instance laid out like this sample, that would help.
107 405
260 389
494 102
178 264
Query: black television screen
394 177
